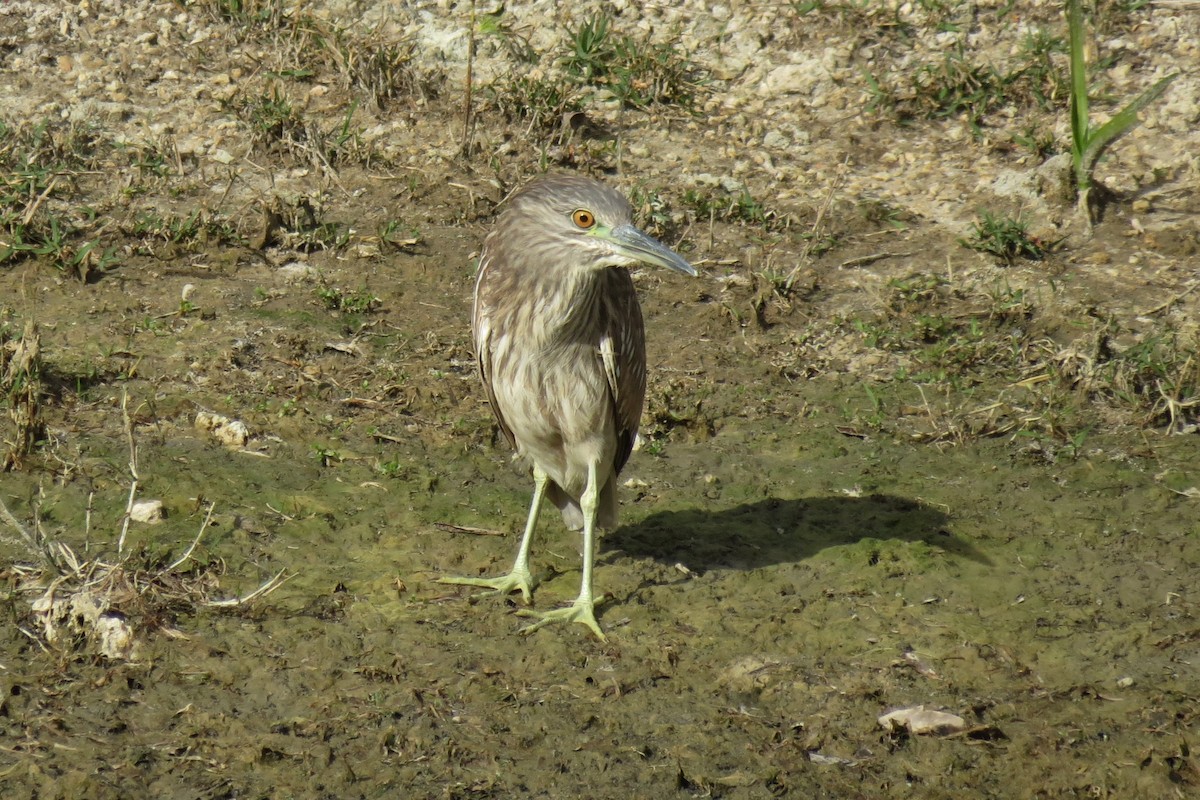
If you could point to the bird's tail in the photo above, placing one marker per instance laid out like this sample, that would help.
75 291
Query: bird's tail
572 514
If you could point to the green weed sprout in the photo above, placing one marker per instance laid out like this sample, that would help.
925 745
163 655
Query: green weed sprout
1087 143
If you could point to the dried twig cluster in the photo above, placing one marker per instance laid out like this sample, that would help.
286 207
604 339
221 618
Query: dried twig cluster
107 604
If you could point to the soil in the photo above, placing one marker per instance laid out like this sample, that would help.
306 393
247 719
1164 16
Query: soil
878 468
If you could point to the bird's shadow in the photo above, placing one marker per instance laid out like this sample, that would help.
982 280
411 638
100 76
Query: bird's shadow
778 531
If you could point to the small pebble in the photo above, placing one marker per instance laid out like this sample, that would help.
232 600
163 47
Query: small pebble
150 512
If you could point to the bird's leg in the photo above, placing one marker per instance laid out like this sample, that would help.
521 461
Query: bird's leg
583 609
519 577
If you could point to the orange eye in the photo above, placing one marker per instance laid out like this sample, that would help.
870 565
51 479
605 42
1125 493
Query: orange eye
583 218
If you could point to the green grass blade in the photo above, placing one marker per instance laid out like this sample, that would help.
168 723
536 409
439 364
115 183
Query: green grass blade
1079 91
1120 124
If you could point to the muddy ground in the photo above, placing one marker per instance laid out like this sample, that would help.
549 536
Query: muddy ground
879 467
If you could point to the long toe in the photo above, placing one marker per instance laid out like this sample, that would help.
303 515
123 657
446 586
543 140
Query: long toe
517 580
581 611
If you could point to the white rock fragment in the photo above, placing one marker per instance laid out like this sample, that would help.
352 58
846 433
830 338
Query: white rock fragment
150 512
776 139
918 719
63 615
114 637
726 182
297 272
229 432
191 146
794 78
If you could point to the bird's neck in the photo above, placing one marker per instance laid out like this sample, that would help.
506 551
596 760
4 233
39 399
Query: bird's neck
569 305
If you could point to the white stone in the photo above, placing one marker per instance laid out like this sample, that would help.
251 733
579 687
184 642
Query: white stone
150 512
800 78
297 272
918 719
774 138
229 432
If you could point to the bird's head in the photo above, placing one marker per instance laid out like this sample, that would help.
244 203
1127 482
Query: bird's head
569 220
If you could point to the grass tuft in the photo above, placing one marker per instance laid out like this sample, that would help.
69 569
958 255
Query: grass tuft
640 73
38 176
1004 237
540 102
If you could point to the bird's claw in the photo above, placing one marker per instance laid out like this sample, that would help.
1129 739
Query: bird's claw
581 611
517 580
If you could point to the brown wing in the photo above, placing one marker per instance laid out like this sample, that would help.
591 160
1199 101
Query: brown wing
481 333
623 352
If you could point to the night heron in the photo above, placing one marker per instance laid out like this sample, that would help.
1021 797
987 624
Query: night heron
562 355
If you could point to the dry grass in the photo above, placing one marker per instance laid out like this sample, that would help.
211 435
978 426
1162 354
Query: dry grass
107 604
21 390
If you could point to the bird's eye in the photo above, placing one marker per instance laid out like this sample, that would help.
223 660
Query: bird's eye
583 218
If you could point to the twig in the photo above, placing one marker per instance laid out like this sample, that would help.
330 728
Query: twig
179 312
7 516
712 218
467 116
67 555
188 553
36 203
812 235
862 261
132 470
1183 5
1175 406
274 583
128 516
280 513
87 522
34 638
1170 301
448 528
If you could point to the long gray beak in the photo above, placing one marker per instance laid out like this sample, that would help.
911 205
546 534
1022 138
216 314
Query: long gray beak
641 247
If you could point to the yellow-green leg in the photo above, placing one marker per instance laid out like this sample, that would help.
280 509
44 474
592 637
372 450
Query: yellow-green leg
519 578
583 609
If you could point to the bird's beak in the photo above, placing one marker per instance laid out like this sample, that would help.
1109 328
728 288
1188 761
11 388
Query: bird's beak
632 243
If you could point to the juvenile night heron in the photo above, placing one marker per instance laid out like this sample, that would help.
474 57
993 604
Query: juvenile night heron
562 355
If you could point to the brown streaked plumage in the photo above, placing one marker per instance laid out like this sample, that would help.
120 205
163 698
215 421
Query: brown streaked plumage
561 347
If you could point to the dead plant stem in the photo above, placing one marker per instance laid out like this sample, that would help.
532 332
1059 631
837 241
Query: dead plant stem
133 471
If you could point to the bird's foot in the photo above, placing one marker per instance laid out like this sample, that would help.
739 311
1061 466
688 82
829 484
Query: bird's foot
581 611
517 580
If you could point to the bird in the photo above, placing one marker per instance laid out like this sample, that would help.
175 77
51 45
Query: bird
560 345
